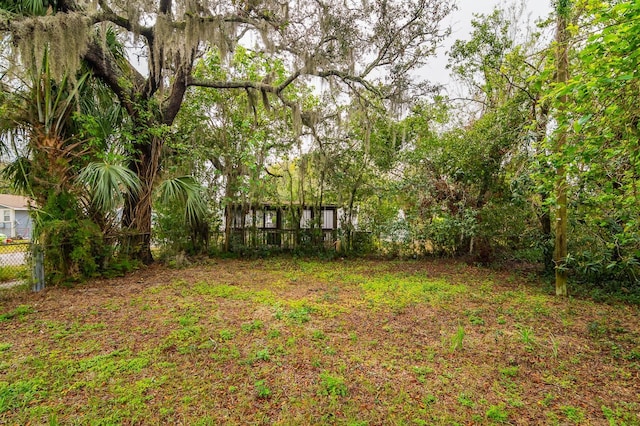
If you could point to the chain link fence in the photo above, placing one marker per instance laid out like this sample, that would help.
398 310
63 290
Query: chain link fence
21 262
15 263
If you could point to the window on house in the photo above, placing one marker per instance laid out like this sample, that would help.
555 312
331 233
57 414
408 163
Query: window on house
270 219
237 219
7 215
327 219
259 219
305 220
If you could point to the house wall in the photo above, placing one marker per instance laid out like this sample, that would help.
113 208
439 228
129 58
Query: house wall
23 224
7 218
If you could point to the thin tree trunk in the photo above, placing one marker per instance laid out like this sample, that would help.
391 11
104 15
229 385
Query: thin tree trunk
544 216
560 252
229 212
352 198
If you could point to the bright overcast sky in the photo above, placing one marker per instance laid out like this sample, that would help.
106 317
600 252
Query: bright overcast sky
460 22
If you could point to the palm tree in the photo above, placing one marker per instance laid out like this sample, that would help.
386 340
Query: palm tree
68 157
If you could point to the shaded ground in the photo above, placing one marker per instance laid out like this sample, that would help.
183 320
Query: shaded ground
305 342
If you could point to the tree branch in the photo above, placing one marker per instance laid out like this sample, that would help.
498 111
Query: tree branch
266 169
109 15
104 67
178 89
346 77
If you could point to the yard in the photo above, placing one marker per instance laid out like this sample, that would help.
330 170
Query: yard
285 341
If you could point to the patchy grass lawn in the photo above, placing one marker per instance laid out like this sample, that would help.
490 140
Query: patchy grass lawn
305 342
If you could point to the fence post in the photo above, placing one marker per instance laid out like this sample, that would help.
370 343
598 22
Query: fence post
38 268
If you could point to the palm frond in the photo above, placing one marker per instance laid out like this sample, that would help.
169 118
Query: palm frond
17 172
64 106
186 192
108 184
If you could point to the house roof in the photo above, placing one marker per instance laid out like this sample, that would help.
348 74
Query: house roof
15 202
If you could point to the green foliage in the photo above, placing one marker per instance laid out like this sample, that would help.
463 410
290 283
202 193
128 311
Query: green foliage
18 312
600 154
511 371
76 185
28 7
573 414
437 182
466 202
603 255
465 401
397 292
262 355
300 314
457 340
497 413
477 60
622 414
262 391
526 336
226 334
331 385
422 372
182 221
73 245
446 232
252 326
17 172
230 151
18 395
11 273
184 191
108 184
175 238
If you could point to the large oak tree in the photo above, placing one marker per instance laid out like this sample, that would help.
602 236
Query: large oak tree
355 46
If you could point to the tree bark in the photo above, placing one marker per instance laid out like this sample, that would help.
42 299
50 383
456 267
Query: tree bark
230 207
136 217
560 253
544 215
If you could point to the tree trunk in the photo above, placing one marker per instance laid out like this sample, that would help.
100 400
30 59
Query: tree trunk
227 228
229 210
545 224
544 215
136 216
560 252
352 199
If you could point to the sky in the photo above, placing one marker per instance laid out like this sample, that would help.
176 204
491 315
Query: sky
460 22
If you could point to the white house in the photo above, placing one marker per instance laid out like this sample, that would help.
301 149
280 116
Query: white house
15 221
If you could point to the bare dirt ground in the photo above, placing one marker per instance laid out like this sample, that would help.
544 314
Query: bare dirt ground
286 341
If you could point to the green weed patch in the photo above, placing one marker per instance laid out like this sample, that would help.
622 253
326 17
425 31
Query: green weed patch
398 291
17 313
226 291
